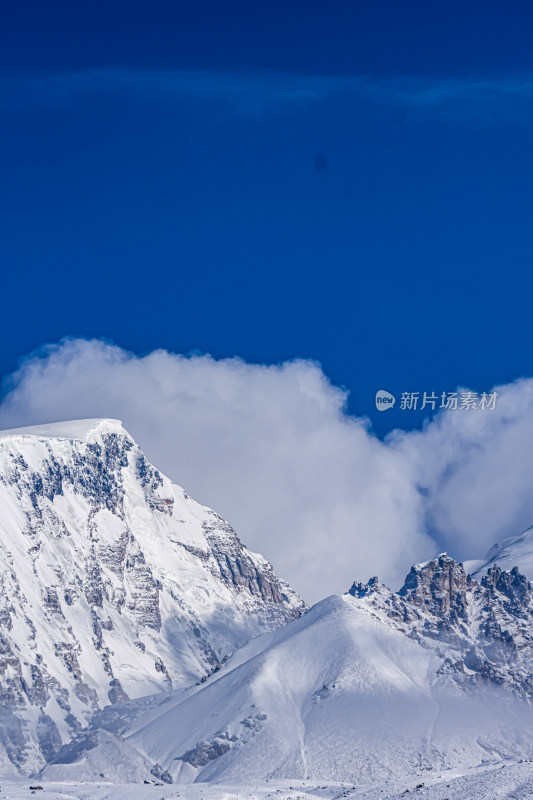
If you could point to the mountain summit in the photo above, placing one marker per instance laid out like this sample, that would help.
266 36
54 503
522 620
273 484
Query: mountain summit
115 584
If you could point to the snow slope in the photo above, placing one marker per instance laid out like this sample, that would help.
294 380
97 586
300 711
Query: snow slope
507 781
361 688
283 712
367 687
115 584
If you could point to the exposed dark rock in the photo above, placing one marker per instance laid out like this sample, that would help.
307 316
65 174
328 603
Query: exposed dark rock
204 752
116 693
48 737
162 774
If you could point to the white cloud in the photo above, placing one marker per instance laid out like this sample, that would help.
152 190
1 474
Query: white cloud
268 447
272 449
475 469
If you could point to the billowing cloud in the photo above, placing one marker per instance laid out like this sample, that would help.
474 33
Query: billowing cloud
268 447
272 449
475 470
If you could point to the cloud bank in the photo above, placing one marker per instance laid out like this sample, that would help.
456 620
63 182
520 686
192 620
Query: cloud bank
273 450
470 97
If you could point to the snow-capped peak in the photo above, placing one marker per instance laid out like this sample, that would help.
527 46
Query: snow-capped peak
115 583
78 429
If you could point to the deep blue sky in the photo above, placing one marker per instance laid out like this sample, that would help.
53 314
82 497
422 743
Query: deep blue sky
349 181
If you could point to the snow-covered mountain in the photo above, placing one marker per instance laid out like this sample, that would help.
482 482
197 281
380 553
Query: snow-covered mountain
115 584
510 552
366 687
141 641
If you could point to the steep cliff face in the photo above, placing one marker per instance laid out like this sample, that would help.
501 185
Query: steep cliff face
115 584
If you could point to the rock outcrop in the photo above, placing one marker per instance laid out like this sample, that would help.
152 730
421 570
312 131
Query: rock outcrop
482 631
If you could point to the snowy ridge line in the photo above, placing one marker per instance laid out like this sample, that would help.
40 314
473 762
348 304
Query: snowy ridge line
507 553
78 429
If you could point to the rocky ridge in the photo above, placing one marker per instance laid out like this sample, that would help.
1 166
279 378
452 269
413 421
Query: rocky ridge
482 631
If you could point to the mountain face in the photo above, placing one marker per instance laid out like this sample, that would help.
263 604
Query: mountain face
115 584
363 688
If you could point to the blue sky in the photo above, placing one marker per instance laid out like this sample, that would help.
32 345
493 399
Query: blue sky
350 183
